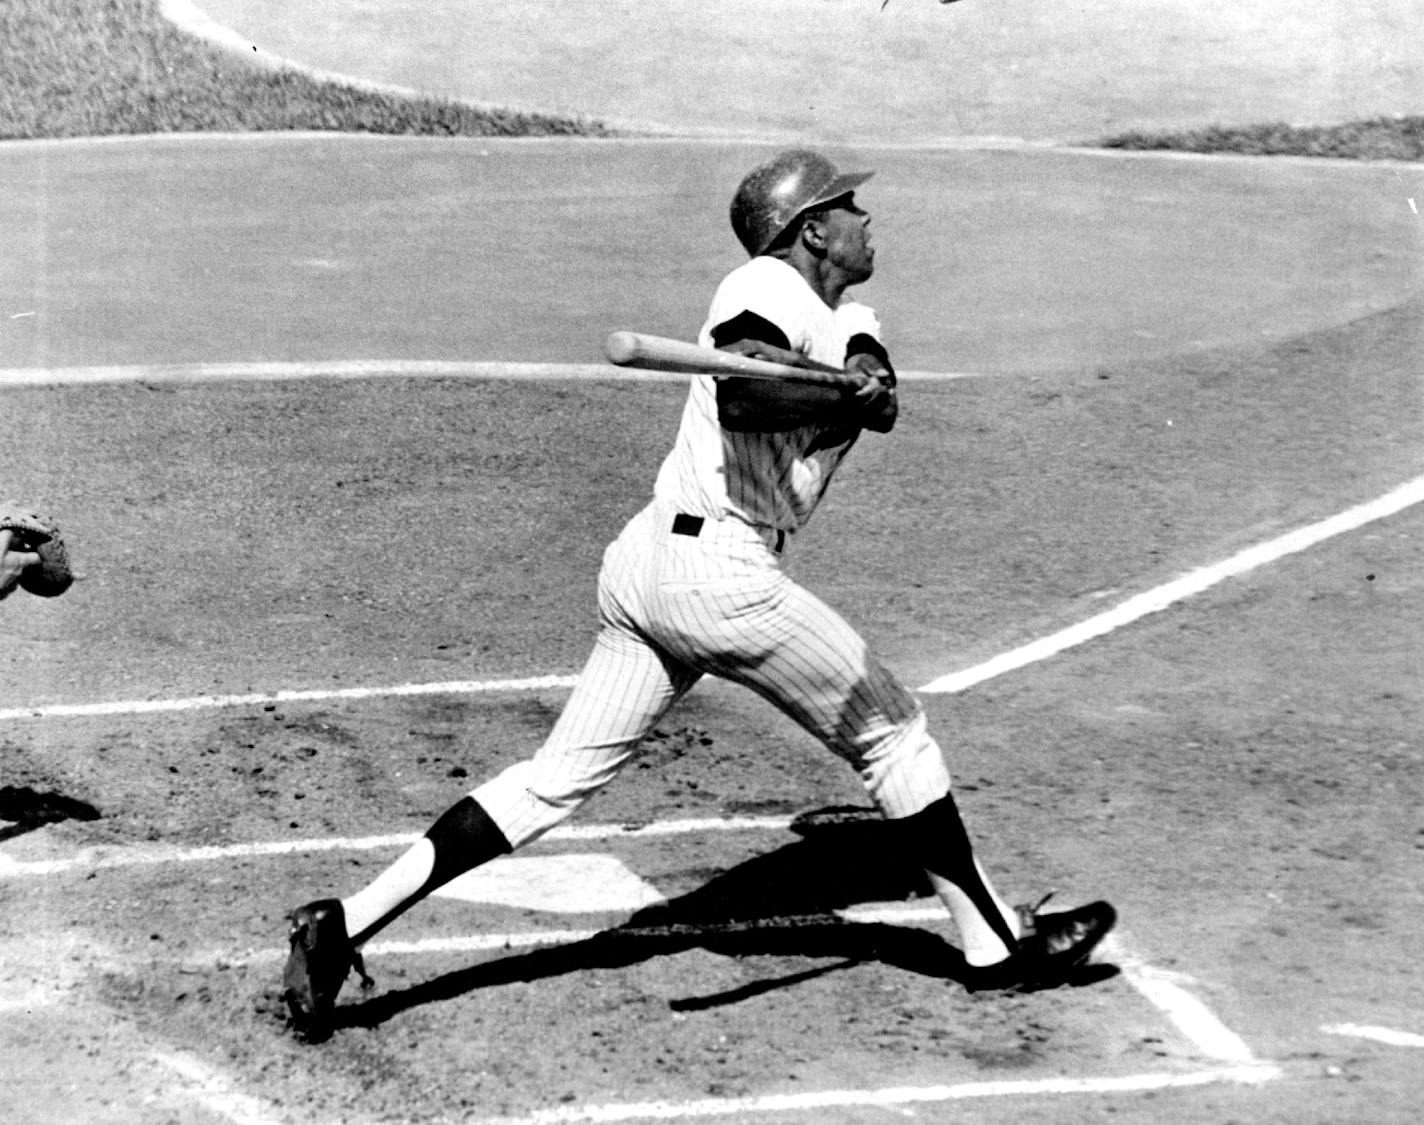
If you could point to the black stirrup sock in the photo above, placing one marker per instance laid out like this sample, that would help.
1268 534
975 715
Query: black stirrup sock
937 841
463 838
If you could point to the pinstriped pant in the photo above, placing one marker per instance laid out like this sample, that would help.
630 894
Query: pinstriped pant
674 608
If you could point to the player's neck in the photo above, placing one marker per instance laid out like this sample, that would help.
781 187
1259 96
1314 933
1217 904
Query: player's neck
825 280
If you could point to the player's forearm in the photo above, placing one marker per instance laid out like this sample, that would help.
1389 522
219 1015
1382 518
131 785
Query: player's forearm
763 406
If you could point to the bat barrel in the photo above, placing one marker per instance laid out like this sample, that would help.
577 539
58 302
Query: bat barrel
621 348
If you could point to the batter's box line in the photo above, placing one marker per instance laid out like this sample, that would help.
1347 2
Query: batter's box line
1165 991
1168 992
146 855
889 1098
220 1095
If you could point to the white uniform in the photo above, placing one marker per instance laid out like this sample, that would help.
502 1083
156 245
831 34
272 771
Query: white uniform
693 586
769 480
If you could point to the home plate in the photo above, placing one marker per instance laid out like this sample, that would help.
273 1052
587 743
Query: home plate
564 884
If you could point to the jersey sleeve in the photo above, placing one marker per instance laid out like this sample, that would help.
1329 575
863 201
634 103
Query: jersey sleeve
861 328
756 290
855 319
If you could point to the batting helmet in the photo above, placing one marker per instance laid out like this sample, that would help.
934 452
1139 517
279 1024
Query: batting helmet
774 193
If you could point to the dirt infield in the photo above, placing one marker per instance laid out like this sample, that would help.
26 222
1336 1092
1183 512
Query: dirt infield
273 248
1235 772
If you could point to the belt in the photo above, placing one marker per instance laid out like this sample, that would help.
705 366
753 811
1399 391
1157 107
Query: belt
684 524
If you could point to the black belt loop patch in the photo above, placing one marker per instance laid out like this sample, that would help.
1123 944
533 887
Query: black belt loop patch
683 524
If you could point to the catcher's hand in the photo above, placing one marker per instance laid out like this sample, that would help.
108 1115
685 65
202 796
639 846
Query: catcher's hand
33 554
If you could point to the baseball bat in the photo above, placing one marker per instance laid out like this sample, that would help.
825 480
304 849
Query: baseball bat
661 353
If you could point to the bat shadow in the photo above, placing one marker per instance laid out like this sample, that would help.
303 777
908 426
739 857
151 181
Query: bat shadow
782 903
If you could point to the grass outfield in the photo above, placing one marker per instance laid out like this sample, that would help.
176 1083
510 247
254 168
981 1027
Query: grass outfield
74 68
1381 138
71 68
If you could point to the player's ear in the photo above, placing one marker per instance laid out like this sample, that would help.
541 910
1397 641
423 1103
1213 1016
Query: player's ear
813 233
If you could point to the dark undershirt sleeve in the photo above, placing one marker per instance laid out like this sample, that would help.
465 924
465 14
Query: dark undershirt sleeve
862 343
749 326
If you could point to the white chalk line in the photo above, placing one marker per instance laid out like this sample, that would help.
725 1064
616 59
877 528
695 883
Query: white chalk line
100 858
221 1095
1163 990
1166 992
888 1098
870 913
1378 1034
26 1001
1188 1014
1187 585
501 370
1152 601
267 699
215 1092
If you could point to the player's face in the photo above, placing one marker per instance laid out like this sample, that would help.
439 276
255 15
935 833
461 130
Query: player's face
847 233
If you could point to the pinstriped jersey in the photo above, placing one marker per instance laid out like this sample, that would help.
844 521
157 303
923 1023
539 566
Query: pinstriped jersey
776 479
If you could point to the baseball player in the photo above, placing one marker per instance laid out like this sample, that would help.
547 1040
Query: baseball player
693 586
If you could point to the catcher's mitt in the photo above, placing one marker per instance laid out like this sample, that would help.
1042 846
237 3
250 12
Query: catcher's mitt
32 532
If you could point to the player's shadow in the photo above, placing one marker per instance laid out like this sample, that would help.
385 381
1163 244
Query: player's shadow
782 903
24 810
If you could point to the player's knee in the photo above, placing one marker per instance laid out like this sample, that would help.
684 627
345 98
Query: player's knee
525 802
905 771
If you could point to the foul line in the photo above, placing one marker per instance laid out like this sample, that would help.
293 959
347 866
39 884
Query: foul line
1152 601
1195 582
202 702
1378 1034
99 858
367 369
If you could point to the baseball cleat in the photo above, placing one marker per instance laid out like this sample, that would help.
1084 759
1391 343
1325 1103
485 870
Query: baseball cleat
321 958
1050 948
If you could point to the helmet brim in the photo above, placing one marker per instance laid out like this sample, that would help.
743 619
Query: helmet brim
841 185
